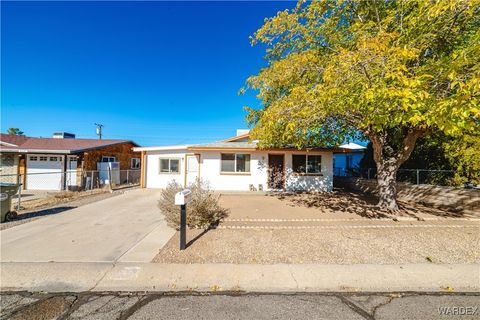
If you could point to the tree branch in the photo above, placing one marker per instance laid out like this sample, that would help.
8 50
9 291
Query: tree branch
408 144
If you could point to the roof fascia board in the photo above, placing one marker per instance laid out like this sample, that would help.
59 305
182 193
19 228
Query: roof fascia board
162 148
36 151
3 143
221 149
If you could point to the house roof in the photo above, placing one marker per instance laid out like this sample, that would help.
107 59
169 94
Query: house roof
242 142
352 146
225 145
23 144
232 144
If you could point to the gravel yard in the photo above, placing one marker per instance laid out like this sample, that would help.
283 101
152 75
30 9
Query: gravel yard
336 246
338 204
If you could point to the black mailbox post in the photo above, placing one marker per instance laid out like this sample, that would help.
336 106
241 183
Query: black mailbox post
181 199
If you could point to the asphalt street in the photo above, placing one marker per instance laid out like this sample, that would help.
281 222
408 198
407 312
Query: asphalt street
342 306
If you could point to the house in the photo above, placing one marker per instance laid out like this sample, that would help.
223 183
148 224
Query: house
58 163
348 159
238 164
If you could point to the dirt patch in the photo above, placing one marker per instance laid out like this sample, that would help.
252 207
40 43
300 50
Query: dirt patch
52 308
360 204
338 204
337 246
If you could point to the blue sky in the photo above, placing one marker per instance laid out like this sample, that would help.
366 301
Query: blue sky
155 72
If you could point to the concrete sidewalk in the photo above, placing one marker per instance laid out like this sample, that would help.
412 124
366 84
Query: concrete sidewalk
79 277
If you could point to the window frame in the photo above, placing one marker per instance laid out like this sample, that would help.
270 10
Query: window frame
306 173
169 166
235 172
43 158
109 157
33 158
138 162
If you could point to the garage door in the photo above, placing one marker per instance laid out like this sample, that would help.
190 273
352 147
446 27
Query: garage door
44 172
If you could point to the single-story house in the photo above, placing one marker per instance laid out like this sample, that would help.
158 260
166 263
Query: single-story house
238 164
57 163
348 159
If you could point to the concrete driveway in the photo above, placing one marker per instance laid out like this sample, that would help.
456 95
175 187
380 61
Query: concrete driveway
127 228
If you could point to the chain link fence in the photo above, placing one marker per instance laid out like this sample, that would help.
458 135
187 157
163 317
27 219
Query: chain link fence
37 185
413 176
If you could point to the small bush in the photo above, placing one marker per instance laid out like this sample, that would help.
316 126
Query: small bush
203 209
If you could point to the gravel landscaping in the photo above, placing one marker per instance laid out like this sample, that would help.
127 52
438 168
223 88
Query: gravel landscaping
338 204
359 204
330 246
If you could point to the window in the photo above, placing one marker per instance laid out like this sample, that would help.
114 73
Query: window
303 163
43 158
53 158
169 165
33 158
235 162
108 159
135 163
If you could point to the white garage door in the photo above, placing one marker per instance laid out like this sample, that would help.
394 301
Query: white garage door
44 172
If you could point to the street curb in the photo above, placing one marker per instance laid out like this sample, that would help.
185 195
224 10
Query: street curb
153 277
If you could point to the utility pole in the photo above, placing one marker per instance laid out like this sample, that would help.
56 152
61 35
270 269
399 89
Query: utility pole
99 130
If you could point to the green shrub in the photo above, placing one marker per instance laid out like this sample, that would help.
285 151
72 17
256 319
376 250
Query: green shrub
203 210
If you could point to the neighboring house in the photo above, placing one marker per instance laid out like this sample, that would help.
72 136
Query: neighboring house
238 164
57 163
348 159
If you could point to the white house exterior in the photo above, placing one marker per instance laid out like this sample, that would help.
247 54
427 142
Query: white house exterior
237 164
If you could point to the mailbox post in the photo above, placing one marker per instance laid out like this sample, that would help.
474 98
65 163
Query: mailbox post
181 199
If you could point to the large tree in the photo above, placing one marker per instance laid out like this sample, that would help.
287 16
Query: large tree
392 70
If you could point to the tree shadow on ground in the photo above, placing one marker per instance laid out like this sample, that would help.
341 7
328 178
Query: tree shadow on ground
43 212
360 204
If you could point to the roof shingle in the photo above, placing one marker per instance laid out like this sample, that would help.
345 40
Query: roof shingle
53 144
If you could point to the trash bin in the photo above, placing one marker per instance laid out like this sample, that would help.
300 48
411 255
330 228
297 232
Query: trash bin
7 191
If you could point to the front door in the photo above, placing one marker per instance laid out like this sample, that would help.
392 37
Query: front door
276 172
192 171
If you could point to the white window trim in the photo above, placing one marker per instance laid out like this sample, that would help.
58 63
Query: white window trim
235 164
169 166
306 165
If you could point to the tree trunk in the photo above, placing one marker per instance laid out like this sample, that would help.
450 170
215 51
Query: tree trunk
388 161
387 186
